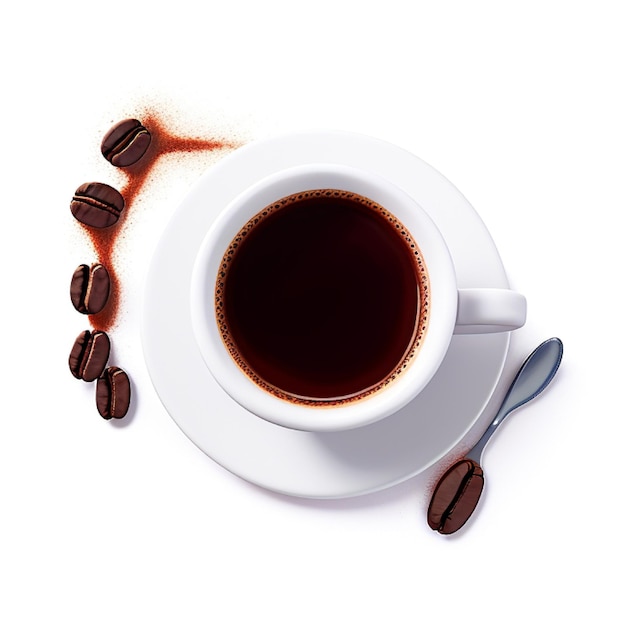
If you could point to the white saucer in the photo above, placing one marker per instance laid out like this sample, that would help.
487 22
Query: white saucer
326 465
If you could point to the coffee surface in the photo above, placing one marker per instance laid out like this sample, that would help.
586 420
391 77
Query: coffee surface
323 296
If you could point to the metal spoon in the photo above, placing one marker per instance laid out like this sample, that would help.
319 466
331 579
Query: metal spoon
458 490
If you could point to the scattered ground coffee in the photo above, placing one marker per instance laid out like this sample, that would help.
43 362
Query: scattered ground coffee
101 209
162 142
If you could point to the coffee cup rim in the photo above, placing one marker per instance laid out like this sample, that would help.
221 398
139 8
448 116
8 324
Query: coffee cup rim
443 298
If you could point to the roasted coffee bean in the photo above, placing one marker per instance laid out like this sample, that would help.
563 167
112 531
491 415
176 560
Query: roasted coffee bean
455 497
125 143
113 393
89 355
97 205
90 287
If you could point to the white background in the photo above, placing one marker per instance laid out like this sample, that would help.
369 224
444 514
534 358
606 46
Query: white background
521 105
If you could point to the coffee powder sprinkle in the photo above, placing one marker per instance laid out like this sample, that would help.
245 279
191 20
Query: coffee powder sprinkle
163 142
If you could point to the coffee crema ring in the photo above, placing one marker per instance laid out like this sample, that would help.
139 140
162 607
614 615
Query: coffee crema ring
418 325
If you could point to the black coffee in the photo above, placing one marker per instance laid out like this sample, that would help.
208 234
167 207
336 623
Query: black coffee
323 297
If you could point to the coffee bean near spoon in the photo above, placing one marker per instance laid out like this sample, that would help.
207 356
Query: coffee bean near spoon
458 491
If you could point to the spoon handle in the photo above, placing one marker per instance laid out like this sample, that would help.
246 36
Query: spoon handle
533 377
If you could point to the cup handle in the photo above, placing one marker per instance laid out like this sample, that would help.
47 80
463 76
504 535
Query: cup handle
487 310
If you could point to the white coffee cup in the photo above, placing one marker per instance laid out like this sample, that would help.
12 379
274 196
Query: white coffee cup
451 310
